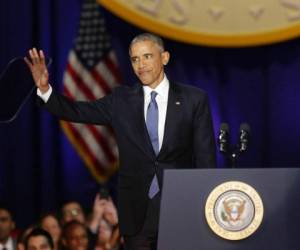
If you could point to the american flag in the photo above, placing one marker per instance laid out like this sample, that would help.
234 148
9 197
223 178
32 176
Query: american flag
91 73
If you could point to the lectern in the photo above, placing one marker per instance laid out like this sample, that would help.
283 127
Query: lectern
186 211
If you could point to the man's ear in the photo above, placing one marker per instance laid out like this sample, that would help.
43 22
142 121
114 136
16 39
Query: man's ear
165 57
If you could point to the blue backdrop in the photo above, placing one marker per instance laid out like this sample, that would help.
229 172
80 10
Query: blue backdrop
38 167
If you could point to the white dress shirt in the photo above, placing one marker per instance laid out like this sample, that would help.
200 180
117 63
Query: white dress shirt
8 245
162 91
46 95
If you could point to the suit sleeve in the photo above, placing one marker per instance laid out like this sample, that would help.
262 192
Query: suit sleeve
94 112
204 141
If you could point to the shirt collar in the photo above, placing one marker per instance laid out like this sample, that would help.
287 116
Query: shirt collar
8 245
162 89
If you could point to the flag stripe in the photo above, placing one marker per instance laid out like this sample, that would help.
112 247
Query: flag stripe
101 134
111 62
103 142
72 88
91 142
100 81
99 173
104 70
86 75
84 145
77 80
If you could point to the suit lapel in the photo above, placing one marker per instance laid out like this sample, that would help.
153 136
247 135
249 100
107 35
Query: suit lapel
172 116
140 133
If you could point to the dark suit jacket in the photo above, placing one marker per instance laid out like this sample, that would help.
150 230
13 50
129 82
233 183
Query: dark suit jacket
188 140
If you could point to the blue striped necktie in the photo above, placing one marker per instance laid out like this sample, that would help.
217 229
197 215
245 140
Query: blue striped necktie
152 126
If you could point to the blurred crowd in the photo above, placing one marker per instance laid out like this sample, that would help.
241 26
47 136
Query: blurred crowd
69 229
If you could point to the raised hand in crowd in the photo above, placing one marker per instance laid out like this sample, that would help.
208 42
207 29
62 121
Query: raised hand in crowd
111 214
98 212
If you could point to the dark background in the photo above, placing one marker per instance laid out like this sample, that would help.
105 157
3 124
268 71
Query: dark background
38 167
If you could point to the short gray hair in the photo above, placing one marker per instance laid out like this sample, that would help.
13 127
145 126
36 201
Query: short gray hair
148 37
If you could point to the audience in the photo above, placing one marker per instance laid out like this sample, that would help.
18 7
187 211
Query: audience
74 231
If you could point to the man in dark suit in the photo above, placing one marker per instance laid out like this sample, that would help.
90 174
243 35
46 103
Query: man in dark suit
158 125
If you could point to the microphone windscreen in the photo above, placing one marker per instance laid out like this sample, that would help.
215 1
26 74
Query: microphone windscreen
245 127
224 126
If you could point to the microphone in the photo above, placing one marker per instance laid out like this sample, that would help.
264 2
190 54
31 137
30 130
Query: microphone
223 137
244 137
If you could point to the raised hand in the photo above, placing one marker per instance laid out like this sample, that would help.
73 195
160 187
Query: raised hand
98 211
111 214
38 68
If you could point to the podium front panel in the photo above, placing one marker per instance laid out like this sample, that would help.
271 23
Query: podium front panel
183 225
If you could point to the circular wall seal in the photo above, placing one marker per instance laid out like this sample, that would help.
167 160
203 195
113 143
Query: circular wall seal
234 210
228 23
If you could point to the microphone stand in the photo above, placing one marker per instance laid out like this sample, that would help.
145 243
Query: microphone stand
233 152
233 156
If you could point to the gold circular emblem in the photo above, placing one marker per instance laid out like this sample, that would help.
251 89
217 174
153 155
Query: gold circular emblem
229 23
234 210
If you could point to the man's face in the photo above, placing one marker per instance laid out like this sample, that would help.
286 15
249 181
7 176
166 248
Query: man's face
76 238
6 225
72 211
38 242
148 62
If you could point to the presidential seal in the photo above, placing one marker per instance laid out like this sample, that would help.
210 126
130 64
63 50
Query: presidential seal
234 210
228 23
